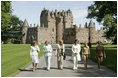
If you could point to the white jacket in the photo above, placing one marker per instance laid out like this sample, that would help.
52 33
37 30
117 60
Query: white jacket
34 50
47 49
76 48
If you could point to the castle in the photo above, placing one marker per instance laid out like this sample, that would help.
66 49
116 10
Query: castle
55 26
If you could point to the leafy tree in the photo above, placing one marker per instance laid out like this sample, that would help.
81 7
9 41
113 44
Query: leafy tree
9 23
16 23
6 11
105 12
111 27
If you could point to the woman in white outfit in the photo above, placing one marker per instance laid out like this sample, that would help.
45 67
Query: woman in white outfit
47 49
76 48
60 54
34 49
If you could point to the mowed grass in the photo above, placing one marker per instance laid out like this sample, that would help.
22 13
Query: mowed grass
15 57
111 56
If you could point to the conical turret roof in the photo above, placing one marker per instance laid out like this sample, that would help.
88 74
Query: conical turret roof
91 24
25 23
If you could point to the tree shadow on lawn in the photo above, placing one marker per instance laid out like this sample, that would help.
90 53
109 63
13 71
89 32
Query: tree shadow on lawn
25 69
31 69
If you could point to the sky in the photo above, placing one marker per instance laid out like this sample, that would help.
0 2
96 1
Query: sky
31 10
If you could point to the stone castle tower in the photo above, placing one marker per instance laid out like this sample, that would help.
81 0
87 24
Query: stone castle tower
92 32
24 31
56 22
58 25
29 33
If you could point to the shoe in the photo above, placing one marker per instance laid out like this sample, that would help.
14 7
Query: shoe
74 68
61 68
58 67
47 69
33 69
84 68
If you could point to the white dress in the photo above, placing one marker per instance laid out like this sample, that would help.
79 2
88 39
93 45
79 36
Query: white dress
34 53
76 49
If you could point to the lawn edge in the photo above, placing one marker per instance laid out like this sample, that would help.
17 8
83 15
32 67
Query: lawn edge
18 71
103 65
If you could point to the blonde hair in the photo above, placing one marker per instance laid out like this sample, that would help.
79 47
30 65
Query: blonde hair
61 41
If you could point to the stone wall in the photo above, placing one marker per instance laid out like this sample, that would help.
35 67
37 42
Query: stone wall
31 35
69 35
55 26
100 35
82 35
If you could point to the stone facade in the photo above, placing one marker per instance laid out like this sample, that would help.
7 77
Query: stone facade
55 26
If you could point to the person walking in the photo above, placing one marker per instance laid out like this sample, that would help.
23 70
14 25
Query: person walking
76 48
100 53
34 49
60 54
85 54
47 49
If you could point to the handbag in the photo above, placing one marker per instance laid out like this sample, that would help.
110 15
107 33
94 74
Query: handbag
37 51
64 57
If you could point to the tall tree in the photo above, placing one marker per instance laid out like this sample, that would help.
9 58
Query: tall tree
105 12
9 23
6 11
16 23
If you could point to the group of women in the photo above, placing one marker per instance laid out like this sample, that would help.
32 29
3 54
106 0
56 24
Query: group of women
60 53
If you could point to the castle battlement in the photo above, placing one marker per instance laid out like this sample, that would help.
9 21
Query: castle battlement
58 25
56 13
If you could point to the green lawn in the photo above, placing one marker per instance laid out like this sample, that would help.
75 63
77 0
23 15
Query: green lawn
15 57
111 53
111 59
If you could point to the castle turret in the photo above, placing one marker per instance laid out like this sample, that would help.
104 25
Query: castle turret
49 14
63 13
92 32
38 34
85 26
79 25
44 14
52 14
59 14
55 12
69 13
34 25
30 25
59 28
68 19
24 31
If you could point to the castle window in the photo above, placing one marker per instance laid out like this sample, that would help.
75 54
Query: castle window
52 37
52 29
